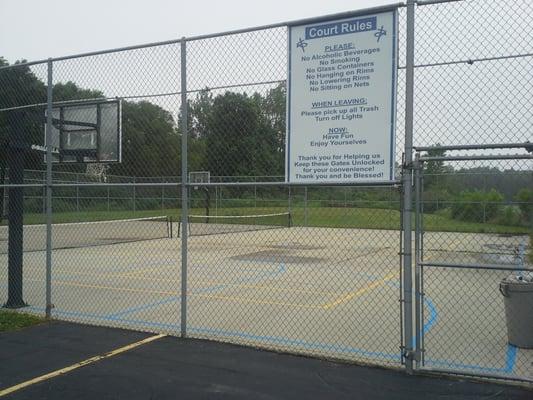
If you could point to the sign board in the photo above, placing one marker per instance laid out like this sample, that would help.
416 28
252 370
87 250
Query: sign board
341 101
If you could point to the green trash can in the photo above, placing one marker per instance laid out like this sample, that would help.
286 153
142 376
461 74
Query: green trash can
517 291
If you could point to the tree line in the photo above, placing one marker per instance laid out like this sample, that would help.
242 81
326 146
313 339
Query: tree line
230 134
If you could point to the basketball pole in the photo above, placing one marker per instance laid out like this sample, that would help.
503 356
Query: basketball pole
15 163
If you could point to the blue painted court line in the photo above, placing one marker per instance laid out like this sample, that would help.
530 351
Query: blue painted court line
510 356
244 335
433 315
296 342
511 351
143 307
510 359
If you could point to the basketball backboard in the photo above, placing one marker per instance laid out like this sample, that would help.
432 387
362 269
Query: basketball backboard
199 177
87 132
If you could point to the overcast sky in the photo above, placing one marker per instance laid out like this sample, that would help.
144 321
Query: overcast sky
38 29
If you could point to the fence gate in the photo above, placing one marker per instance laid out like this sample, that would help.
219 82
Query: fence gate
460 317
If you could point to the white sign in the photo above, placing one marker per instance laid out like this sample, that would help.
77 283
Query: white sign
341 100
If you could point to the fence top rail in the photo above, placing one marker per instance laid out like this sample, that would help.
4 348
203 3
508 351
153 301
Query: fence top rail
393 183
346 14
479 157
213 184
526 145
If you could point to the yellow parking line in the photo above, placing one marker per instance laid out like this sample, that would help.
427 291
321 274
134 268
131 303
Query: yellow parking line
66 370
359 292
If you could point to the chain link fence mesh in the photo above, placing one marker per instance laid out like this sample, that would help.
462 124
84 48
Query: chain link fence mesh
313 270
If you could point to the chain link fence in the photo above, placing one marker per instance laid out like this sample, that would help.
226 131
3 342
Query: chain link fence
237 254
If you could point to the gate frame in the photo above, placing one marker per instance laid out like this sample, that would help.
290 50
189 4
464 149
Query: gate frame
419 350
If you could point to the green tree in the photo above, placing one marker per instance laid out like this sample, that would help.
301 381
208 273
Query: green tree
239 138
71 91
21 87
274 106
435 171
151 142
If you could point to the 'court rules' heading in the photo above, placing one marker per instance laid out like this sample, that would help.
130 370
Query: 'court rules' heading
341 28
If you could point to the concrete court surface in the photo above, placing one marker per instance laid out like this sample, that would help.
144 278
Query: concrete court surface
325 292
170 368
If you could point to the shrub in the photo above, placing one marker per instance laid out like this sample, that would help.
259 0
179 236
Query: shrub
524 198
509 215
477 205
435 199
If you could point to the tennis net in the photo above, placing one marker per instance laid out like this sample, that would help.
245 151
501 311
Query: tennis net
200 225
87 234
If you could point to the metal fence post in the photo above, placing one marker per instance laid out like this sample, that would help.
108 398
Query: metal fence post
289 205
216 200
108 199
305 206
162 196
77 194
407 194
184 188
134 195
48 145
418 320
43 195
255 194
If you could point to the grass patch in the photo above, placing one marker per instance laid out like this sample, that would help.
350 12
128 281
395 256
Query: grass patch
330 217
11 320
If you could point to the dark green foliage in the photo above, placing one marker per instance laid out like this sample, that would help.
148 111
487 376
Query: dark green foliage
151 143
509 215
436 198
19 86
240 141
435 171
70 91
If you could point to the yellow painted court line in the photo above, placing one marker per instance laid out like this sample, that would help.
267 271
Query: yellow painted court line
172 293
266 287
251 301
83 363
206 296
142 270
359 292
118 289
